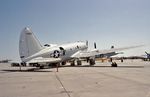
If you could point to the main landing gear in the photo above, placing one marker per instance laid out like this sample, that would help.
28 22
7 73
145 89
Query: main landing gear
113 64
79 62
72 63
91 62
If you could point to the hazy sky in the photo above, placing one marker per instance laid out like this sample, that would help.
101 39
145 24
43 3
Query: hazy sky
107 22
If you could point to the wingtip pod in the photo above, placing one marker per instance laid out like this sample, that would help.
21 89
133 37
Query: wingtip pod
28 43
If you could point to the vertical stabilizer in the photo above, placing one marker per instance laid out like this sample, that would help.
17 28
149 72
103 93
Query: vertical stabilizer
28 44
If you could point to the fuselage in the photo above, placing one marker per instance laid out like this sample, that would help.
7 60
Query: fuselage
64 51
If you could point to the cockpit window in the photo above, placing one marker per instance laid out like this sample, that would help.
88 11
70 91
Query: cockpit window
47 45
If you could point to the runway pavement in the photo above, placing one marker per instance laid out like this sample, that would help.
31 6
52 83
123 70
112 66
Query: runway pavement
129 79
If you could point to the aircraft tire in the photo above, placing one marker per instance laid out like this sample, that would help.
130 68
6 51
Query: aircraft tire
114 64
63 63
72 63
79 62
92 62
41 67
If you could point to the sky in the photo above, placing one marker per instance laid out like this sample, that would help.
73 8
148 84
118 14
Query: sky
107 22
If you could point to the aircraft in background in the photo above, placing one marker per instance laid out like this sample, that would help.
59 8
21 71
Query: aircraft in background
5 61
107 55
147 56
32 53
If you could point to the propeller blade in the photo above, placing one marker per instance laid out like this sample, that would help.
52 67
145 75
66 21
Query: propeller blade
95 45
87 43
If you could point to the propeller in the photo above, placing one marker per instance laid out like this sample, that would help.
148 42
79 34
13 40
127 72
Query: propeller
95 45
87 43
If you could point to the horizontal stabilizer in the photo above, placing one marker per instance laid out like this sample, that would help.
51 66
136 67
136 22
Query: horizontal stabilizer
45 60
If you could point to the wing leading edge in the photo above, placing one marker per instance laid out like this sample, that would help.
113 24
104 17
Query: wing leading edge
85 54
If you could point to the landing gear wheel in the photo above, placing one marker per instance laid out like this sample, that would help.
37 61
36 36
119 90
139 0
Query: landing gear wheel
92 62
79 62
114 64
41 67
121 60
72 63
23 64
63 63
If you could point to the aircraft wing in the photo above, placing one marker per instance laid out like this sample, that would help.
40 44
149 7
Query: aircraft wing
85 54
45 60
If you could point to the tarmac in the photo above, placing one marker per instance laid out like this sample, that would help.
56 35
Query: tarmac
130 79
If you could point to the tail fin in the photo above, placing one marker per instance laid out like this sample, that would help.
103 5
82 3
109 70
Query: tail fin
28 44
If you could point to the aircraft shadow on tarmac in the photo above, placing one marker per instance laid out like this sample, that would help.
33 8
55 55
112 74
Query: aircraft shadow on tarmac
83 66
106 66
27 70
